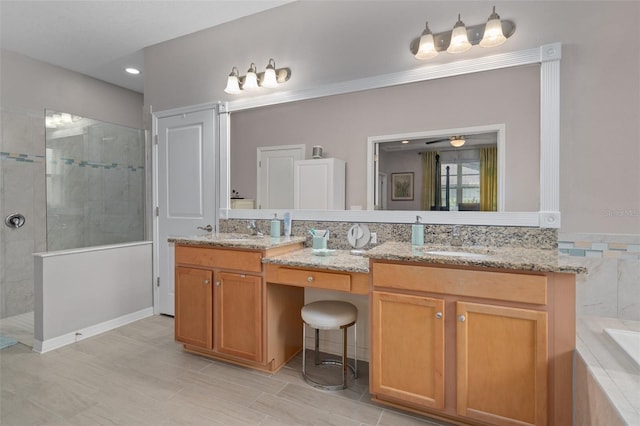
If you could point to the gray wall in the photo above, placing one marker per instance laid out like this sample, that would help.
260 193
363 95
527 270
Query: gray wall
329 42
28 87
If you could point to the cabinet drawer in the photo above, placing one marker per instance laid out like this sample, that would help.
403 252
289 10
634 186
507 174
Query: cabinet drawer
463 282
312 278
249 261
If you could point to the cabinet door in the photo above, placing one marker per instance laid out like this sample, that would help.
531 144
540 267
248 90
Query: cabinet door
408 348
239 315
193 307
501 364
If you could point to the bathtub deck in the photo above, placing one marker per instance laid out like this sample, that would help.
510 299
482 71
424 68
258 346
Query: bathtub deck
615 372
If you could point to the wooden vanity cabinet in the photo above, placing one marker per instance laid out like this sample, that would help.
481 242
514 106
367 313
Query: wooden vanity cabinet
473 346
238 299
501 364
408 348
194 307
222 303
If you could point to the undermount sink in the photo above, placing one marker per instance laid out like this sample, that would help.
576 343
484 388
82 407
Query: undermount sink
468 252
458 254
239 237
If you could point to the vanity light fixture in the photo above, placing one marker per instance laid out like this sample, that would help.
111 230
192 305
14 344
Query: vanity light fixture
457 141
233 82
493 35
270 78
462 38
251 80
426 45
459 39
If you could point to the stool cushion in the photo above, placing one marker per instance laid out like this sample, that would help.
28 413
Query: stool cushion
329 314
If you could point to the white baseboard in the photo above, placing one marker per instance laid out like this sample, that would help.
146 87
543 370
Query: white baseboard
76 336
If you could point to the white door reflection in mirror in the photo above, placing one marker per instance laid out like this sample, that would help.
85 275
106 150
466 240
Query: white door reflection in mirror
275 175
453 182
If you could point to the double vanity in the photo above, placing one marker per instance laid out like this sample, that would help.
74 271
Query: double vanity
481 336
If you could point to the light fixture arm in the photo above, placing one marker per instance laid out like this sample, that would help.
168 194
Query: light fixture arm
474 34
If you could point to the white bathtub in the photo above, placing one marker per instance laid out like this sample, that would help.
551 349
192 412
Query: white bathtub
628 341
606 374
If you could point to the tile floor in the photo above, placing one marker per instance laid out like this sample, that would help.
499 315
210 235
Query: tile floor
138 375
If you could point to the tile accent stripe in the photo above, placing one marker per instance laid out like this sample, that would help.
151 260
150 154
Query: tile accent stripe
600 249
24 158
28 158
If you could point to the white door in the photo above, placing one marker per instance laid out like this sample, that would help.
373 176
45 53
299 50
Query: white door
275 175
186 190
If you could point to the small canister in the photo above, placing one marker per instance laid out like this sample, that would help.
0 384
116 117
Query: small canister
316 152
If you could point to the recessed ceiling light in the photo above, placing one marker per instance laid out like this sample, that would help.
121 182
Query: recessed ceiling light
131 70
405 142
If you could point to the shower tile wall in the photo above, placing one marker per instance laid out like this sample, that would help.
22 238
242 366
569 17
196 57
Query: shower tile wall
95 185
22 190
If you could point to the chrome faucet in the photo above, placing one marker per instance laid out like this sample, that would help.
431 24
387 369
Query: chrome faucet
253 227
456 241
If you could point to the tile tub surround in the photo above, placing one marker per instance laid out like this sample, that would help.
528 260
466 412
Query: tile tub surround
488 236
612 288
607 382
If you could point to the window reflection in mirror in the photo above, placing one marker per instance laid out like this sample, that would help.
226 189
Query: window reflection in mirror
444 177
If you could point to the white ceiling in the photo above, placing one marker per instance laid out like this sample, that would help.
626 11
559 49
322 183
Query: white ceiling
100 38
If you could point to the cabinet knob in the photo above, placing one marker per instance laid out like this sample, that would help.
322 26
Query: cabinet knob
310 279
438 315
206 282
462 318
217 283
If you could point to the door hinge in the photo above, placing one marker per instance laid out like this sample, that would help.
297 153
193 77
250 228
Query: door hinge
158 282
259 163
157 211
156 139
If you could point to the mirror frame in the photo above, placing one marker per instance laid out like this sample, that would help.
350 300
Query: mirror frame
547 56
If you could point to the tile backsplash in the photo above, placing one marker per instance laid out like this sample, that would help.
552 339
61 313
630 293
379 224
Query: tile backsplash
495 236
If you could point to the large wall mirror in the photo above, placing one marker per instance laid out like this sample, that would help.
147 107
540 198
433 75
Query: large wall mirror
512 98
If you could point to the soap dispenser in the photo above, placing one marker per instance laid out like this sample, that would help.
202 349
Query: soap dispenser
275 226
417 233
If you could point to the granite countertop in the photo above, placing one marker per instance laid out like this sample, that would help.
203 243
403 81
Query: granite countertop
335 260
522 259
237 240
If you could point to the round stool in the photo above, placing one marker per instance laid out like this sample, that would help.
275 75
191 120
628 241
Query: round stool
329 315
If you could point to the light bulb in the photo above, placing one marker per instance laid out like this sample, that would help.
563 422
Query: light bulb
426 46
459 40
493 35
233 85
251 80
269 79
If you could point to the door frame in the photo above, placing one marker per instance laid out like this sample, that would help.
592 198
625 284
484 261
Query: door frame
220 133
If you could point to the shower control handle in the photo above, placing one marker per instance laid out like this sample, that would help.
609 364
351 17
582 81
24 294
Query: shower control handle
14 220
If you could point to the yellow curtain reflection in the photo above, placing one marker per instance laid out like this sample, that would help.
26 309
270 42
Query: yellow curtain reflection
428 180
489 179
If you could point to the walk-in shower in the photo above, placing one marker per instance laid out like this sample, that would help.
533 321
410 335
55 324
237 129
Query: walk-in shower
92 176
95 182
